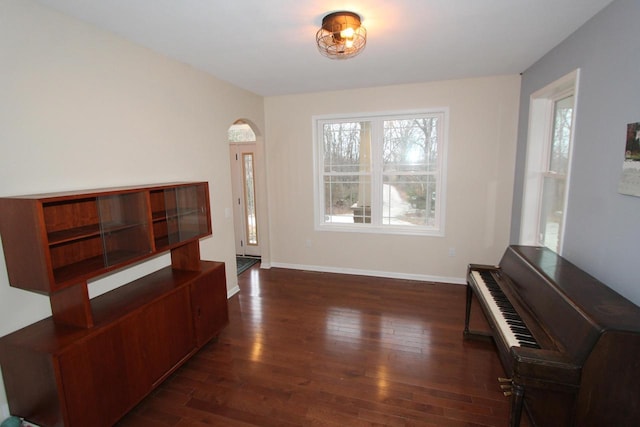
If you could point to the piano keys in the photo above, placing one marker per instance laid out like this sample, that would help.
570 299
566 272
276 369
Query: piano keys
570 344
505 315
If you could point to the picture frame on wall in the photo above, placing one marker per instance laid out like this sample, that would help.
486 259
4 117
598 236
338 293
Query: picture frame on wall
630 178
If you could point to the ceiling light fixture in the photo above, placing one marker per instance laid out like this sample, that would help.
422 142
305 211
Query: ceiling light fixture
342 36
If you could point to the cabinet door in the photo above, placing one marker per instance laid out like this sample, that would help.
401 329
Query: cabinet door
162 336
96 380
180 214
107 374
123 227
164 213
192 203
209 302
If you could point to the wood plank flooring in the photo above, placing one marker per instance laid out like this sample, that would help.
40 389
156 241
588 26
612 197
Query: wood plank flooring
320 349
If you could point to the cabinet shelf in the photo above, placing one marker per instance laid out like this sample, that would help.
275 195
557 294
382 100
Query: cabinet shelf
159 216
174 214
115 227
82 268
165 241
78 233
86 267
135 295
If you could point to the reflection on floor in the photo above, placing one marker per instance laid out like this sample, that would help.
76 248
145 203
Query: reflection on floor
307 348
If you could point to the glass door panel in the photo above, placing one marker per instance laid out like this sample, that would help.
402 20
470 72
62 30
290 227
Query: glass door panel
192 212
163 212
250 213
124 227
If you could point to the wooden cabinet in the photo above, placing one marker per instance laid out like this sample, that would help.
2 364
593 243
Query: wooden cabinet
126 360
209 305
54 243
95 359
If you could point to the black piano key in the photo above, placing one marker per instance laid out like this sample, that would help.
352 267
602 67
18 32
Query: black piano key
529 345
520 329
524 337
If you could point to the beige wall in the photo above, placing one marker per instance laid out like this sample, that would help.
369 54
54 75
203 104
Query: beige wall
481 156
81 108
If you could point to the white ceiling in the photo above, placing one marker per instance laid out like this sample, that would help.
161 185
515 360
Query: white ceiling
268 46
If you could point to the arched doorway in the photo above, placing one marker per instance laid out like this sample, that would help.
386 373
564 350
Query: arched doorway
243 157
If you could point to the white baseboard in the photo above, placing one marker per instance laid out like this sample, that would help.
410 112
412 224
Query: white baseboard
387 274
233 291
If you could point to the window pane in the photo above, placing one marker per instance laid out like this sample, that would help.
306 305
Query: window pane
241 132
250 202
347 147
551 213
347 197
563 115
409 200
410 145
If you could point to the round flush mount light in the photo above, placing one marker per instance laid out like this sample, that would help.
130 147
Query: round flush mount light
341 36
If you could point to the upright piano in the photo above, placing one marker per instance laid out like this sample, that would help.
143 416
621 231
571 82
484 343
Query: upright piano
570 345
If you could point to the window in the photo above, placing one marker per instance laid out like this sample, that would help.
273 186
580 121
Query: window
554 176
552 114
241 132
381 173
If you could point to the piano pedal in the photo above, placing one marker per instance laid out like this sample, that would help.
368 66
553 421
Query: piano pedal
505 386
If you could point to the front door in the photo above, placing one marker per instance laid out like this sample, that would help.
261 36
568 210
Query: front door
243 161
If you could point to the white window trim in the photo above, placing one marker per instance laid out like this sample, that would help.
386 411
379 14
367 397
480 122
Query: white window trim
541 108
441 183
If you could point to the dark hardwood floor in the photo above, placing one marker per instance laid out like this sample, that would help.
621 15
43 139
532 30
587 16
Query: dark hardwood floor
320 349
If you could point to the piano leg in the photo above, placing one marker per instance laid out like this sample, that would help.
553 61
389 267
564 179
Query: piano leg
468 311
517 399
468 334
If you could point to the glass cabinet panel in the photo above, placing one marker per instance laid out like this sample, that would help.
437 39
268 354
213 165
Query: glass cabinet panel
163 212
192 212
179 214
124 227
